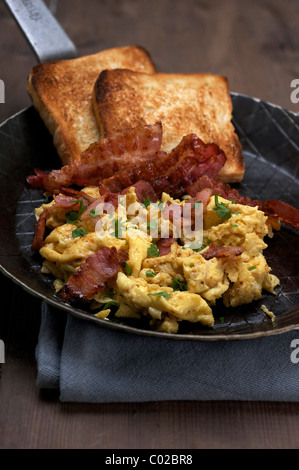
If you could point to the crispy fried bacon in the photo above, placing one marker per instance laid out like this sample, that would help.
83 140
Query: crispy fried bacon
105 204
143 190
104 158
133 157
283 211
40 229
228 252
93 275
39 180
173 172
276 210
62 202
164 245
219 187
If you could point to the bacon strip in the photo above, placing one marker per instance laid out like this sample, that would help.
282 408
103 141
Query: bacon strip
275 209
39 180
283 211
104 158
172 172
219 187
40 229
108 203
164 245
67 203
143 190
94 274
215 251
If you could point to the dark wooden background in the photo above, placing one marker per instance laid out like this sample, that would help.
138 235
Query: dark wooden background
256 45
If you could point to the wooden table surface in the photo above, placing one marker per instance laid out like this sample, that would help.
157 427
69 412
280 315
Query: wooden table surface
256 45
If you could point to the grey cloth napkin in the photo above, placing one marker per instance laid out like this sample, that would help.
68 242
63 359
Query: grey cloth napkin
91 364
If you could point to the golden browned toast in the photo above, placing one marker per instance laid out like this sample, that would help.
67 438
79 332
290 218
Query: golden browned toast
61 91
184 103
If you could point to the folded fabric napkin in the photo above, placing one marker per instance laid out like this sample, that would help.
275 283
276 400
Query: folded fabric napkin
88 363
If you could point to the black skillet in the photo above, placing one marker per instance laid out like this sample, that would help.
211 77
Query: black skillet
270 138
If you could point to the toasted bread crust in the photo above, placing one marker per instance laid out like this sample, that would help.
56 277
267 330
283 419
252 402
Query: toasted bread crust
185 103
61 91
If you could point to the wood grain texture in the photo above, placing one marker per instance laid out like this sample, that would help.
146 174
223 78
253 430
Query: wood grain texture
256 45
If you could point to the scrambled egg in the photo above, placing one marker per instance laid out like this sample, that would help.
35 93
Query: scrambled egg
181 285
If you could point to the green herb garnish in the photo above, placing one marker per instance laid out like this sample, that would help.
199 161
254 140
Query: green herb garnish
112 303
178 284
162 294
82 207
251 268
200 248
150 273
78 232
191 265
147 201
119 228
153 250
128 269
71 217
196 204
110 293
93 213
222 211
47 199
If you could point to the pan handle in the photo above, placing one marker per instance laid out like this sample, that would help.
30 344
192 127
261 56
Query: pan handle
43 32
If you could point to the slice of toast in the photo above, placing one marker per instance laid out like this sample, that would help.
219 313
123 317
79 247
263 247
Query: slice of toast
184 103
61 91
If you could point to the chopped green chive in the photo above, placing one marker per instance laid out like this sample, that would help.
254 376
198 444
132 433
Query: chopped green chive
128 269
251 268
196 204
93 213
112 303
162 294
110 293
146 201
71 217
191 265
153 250
178 284
222 211
150 273
82 207
78 232
200 248
120 226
